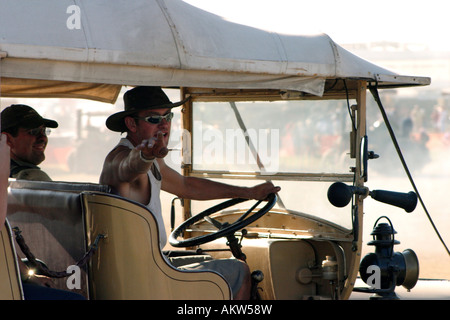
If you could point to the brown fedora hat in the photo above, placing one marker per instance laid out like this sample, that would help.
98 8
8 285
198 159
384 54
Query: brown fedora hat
137 99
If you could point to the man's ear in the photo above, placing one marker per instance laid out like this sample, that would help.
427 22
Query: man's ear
9 139
130 123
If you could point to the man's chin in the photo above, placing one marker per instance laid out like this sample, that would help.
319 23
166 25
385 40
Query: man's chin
38 159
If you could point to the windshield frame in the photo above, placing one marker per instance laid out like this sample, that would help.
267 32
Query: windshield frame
345 90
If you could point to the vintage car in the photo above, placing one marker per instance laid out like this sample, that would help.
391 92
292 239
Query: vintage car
261 107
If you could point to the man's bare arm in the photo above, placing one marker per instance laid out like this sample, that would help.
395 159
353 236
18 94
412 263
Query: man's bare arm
123 165
204 189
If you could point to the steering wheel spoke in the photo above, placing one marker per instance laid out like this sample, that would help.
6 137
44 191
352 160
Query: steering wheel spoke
249 210
216 223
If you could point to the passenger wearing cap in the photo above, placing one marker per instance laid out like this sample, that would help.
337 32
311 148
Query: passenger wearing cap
135 169
26 133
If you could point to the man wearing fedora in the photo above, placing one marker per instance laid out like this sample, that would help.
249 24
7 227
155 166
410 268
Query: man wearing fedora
135 168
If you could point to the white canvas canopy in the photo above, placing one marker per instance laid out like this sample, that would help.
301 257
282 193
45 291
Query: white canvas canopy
68 48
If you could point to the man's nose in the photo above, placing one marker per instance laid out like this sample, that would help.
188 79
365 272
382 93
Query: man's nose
164 123
42 136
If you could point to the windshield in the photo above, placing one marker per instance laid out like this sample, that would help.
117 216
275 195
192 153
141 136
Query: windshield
298 142
279 136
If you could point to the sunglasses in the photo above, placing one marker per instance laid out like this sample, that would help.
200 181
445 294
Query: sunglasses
39 131
157 119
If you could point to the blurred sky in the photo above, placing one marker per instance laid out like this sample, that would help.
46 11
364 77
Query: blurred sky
346 21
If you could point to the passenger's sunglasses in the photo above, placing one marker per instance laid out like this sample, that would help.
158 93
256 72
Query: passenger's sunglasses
157 119
39 131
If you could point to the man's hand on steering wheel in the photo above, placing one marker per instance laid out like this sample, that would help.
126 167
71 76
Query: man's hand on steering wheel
262 191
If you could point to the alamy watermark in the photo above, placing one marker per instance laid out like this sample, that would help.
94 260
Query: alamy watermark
230 147
74 280
374 280
73 22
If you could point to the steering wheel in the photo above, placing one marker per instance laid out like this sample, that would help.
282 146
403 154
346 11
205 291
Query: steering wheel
223 229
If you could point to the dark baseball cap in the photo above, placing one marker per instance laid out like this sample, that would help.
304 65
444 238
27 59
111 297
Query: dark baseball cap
24 116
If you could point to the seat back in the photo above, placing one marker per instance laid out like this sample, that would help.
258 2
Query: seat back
10 285
129 263
58 186
50 218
